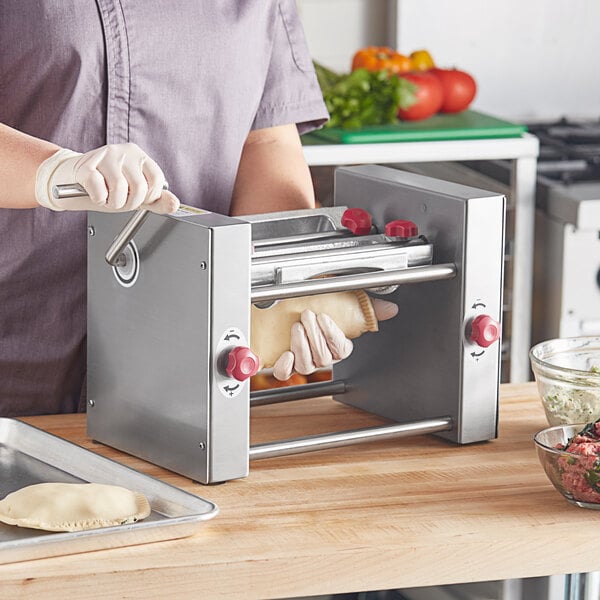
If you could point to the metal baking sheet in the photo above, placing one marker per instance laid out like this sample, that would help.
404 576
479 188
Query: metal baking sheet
29 455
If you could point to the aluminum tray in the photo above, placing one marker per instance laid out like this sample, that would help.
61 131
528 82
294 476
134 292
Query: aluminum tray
29 455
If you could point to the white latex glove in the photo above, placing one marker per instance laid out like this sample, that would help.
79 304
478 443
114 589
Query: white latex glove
117 178
316 341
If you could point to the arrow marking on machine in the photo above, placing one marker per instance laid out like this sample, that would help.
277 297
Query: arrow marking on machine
230 390
232 335
477 304
477 354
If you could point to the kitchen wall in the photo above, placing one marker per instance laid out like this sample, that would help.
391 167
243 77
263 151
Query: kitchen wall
533 59
335 29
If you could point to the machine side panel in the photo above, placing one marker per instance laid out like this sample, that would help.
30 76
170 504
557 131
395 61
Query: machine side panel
151 347
229 318
418 365
483 265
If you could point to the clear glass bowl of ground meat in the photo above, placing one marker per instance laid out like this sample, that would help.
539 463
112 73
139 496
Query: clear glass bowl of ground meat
570 455
567 372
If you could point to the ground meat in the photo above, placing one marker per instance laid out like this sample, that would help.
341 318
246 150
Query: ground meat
580 475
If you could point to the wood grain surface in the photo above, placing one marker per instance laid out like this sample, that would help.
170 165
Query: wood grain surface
389 514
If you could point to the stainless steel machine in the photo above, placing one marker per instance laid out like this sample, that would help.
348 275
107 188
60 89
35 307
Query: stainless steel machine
169 318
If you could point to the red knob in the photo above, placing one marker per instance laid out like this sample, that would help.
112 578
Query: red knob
484 330
357 220
402 229
242 363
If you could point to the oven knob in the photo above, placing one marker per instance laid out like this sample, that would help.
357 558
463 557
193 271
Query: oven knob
401 229
242 363
357 220
484 331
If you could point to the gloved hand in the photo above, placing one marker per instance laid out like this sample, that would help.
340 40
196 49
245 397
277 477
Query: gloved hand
117 178
316 341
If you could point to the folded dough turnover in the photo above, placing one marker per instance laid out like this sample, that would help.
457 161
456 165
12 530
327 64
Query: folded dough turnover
270 327
73 506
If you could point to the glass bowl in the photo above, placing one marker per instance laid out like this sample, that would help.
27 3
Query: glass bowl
567 372
575 476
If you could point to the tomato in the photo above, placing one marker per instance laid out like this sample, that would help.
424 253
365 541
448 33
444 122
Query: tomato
421 60
378 58
459 89
429 96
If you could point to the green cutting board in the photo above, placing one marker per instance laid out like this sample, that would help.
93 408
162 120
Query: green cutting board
467 125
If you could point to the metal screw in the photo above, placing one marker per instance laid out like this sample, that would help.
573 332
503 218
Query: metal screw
91 231
91 402
202 446
203 265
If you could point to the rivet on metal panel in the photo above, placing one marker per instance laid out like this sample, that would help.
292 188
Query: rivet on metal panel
203 265
91 231
92 402
202 446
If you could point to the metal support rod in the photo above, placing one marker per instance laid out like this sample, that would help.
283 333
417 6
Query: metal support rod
347 438
297 392
355 281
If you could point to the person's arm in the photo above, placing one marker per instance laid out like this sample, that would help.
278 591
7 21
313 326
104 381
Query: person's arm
273 174
116 177
20 157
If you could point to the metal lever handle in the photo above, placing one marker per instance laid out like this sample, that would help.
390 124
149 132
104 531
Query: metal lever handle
124 237
75 190
68 190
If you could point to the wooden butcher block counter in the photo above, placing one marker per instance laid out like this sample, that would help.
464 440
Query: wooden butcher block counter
390 514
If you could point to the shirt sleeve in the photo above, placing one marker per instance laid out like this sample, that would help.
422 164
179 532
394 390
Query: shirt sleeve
291 93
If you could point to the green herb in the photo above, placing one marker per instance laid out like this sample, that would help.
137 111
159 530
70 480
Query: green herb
592 476
589 430
363 97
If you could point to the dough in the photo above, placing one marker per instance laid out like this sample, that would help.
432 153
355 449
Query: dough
73 506
271 327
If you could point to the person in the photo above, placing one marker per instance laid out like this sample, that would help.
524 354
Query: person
116 95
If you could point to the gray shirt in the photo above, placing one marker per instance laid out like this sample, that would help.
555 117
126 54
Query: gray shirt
186 81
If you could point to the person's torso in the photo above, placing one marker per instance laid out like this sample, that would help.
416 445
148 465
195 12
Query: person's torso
183 83
182 80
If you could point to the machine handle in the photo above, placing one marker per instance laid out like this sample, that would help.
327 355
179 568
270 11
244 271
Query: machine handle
75 190
125 236
68 190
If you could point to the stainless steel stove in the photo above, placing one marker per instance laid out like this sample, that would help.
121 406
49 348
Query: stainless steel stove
569 151
567 257
566 295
